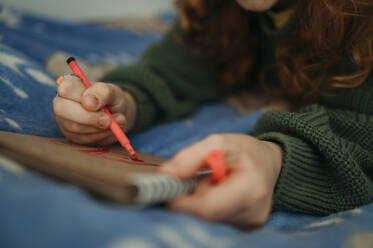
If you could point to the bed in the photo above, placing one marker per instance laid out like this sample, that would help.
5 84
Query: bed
37 211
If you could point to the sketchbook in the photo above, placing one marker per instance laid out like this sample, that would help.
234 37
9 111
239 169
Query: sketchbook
108 171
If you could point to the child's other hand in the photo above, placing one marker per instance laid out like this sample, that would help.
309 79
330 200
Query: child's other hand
79 111
244 197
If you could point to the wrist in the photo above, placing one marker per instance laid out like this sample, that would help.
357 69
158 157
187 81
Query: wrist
131 109
277 152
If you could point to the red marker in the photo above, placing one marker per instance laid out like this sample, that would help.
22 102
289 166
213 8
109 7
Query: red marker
215 159
115 128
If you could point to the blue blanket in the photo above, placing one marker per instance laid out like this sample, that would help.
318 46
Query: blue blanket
36 211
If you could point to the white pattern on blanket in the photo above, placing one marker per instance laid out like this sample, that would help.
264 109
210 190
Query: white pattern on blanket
13 62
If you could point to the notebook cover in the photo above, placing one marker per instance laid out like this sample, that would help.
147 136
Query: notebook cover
103 170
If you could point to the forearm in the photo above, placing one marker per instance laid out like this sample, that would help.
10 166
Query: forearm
324 167
168 82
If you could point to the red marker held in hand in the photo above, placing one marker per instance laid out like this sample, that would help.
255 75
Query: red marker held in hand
216 161
115 128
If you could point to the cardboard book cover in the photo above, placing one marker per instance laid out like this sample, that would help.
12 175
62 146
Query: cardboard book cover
108 171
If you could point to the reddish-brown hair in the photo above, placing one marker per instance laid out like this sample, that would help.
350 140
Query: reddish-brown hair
327 33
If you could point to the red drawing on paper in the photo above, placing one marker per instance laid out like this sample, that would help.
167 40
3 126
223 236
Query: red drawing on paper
104 154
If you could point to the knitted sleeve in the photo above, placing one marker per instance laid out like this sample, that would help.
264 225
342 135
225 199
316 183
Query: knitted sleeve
169 80
328 160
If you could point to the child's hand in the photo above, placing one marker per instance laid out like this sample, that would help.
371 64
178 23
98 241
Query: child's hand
244 197
79 111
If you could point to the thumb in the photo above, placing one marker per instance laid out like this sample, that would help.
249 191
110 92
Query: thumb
187 162
99 95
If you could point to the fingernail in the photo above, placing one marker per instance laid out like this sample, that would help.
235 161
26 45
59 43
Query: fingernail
91 101
103 121
59 79
120 119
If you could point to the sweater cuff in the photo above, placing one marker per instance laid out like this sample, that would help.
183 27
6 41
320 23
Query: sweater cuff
304 184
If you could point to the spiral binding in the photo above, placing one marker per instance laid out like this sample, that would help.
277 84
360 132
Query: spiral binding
156 188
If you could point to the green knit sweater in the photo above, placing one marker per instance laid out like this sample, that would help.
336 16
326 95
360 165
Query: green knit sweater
328 146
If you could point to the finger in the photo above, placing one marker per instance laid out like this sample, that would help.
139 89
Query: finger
71 88
74 127
189 160
185 163
86 138
204 185
249 218
219 201
77 128
107 141
200 190
121 120
186 204
73 111
101 94
241 219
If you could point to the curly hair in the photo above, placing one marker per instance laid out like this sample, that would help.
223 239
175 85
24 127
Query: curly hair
327 33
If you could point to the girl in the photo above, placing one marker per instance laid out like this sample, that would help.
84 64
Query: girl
316 158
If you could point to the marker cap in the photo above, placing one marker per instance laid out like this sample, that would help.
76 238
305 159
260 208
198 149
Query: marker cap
216 161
